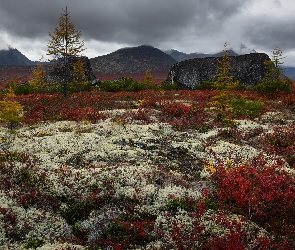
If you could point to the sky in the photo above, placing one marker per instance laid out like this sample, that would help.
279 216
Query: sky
188 25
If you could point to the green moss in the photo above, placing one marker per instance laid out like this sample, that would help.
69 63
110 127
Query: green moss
77 211
203 128
211 204
175 204
14 156
248 108
33 243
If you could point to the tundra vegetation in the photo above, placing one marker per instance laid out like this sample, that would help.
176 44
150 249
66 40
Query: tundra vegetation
148 169
129 165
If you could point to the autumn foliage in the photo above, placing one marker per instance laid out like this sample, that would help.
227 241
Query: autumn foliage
11 111
249 204
262 192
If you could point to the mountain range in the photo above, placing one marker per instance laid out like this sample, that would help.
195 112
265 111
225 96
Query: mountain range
131 60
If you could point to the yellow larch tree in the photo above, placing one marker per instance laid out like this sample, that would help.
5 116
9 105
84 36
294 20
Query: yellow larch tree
79 75
11 112
38 79
148 77
65 42
224 81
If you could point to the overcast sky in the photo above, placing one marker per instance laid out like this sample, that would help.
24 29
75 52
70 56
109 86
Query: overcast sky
185 25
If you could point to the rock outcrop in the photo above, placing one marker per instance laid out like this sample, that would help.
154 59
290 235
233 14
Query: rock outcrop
249 69
58 74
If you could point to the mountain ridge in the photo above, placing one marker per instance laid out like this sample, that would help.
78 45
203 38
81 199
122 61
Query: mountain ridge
13 57
133 60
181 56
128 60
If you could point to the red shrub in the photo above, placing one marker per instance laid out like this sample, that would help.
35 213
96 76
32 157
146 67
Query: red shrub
260 192
239 237
78 114
36 114
281 142
140 115
176 109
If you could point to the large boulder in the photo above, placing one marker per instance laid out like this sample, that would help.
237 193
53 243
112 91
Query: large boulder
59 72
249 69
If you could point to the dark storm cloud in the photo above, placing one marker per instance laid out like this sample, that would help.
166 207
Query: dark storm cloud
186 25
27 18
130 21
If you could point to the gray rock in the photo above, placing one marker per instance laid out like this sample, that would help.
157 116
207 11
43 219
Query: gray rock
58 72
249 69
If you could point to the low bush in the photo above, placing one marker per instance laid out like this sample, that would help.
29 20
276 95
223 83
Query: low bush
168 86
260 192
24 89
125 84
205 85
247 108
274 86
27 88
280 142
209 85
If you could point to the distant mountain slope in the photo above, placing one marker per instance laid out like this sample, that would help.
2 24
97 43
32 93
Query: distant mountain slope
229 53
12 57
181 56
290 72
133 60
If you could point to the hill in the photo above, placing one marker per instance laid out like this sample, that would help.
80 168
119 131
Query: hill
133 60
13 57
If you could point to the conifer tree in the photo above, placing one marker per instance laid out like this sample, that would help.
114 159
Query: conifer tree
277 56
148 77
79 75
38 75
10 111
274 80
65 42
273 71
224 80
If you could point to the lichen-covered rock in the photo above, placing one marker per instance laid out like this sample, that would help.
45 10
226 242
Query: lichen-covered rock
249 69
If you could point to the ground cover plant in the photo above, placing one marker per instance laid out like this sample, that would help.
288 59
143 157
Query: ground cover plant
151 169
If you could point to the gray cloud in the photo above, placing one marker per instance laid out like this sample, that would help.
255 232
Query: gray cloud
129 20
267 30
187 25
